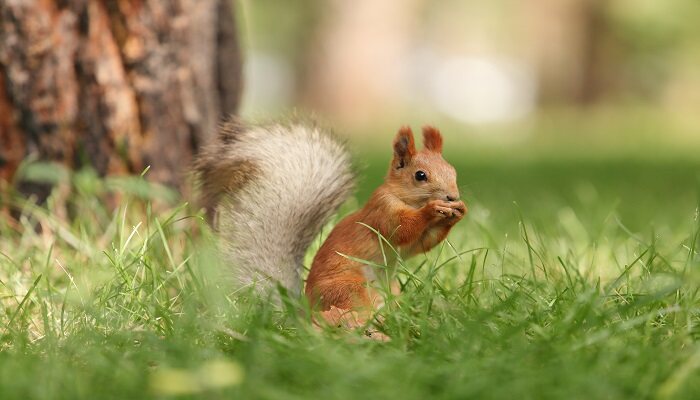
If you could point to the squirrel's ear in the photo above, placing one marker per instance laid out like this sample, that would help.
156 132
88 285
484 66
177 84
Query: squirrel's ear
432 139
404 147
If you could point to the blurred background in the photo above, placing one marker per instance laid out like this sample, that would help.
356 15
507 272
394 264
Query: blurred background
567 108
579 108
479 64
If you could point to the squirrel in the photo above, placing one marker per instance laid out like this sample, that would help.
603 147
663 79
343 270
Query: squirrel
269 189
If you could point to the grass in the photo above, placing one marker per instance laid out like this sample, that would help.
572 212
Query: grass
570 278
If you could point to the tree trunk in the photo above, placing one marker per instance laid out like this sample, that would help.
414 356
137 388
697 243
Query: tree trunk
115 84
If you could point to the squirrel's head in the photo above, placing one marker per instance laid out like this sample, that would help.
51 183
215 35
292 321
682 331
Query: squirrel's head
417 177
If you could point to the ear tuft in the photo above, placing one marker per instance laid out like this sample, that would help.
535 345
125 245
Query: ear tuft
404 147
432 139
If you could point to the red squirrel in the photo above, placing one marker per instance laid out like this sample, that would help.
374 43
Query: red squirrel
270 189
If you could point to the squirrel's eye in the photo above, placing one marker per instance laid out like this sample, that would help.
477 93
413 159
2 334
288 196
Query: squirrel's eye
421 176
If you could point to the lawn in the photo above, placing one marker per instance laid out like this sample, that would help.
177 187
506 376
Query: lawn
570 277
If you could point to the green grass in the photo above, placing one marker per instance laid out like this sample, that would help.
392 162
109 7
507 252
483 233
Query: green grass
569 278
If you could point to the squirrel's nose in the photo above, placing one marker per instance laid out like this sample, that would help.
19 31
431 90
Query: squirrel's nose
452 197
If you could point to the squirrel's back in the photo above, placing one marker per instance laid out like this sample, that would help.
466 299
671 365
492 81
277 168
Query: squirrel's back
269 190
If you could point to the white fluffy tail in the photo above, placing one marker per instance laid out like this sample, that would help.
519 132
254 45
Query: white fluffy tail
274 187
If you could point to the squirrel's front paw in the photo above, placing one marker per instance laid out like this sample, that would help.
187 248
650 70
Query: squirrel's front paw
459 209
447 212
440 209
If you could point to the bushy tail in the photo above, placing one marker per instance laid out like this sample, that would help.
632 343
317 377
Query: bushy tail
269 190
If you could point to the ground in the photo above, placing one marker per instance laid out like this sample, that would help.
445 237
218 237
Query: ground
574 275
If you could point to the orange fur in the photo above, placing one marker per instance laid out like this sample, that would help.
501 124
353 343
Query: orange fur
413 215
432 139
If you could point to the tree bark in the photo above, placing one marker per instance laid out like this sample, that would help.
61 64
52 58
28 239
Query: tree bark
118 85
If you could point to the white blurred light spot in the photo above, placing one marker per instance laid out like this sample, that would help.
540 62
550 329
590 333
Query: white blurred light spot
482 90
269 81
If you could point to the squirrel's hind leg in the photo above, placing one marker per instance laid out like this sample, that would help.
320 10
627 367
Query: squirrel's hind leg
351 320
